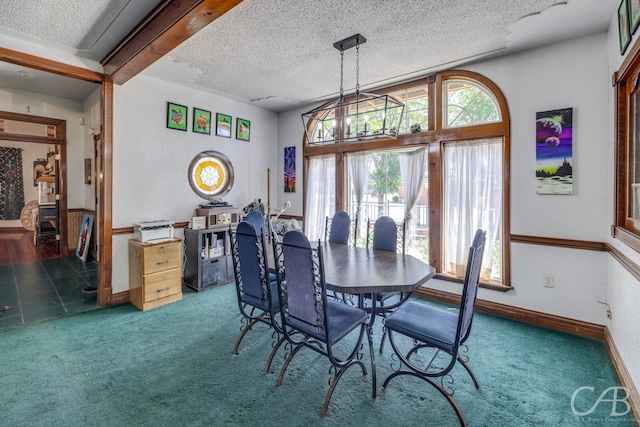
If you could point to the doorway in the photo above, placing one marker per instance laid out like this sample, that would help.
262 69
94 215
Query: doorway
28 201
50 172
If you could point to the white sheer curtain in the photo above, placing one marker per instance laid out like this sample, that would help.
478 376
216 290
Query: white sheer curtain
413 166
321 194
359 164
472 199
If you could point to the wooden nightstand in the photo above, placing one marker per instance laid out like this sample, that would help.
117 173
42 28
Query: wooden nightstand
154 273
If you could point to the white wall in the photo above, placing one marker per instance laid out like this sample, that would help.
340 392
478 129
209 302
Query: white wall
291 132
92 126
572 74
150 161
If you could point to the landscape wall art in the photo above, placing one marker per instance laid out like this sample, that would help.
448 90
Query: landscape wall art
554 151
290 169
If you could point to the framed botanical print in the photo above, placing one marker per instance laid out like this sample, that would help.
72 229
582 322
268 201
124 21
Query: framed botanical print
223 125
634 15
243 129
201 121
176 116
624 30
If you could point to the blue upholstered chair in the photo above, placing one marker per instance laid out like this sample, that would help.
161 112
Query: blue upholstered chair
338 228
388 236
256 288
384 234
256 218
312 320
438 329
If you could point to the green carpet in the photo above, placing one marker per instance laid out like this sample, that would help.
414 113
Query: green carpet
172 366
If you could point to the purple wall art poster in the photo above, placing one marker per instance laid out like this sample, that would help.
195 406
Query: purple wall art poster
290 169
554 151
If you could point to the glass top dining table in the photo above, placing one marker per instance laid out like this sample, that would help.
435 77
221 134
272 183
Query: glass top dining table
356 270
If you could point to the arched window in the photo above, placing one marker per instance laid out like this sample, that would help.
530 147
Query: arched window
445 175
468 104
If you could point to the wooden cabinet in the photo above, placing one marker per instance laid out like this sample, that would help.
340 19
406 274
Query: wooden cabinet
154 273
208 259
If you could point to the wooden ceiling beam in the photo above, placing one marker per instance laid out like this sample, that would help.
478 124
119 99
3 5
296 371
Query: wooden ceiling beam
173 22
50 66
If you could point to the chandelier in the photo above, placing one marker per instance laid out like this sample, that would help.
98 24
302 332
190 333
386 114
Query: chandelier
357 117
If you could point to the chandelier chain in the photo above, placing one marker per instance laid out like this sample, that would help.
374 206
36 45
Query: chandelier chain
341 74
357 68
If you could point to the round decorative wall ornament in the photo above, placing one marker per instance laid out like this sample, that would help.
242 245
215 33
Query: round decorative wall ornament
211 175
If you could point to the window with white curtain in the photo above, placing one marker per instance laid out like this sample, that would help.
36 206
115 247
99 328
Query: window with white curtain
472 199
454 169
321 194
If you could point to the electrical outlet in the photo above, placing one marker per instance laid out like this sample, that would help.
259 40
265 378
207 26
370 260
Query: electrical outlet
548 281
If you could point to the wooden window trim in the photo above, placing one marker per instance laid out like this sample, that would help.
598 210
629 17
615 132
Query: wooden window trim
626 82
433 138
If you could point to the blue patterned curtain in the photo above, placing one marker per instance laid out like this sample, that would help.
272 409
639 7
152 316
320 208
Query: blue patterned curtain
11 183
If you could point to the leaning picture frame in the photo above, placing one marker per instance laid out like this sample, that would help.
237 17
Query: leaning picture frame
201 121
176 116
624 30
634 15
223 125
243 129
84 239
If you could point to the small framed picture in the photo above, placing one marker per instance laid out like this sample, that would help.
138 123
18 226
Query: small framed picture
223 125
243 129
201 121
198 222
176 116
624 30
634 15
87 171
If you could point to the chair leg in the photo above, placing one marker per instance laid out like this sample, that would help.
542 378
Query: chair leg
333 382
244 329
470 371
384 337
437 386
274 350
286 363
374 378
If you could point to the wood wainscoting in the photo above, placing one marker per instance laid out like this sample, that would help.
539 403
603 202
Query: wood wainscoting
74 223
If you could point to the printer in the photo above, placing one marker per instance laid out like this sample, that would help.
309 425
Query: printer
153 231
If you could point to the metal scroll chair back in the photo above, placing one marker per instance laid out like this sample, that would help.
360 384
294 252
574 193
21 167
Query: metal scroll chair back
439 329
312 320
337 229
386 235
256 288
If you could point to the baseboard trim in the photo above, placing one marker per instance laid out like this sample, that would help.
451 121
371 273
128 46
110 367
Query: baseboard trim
13 230
119 298
623 374
551 321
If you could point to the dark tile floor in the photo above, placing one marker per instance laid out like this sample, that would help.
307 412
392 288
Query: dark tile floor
45 289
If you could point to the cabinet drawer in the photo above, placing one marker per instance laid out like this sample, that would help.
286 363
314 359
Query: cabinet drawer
159 285
48 214
214 272
161 257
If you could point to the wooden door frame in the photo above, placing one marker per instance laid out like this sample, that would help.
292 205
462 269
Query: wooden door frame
56 136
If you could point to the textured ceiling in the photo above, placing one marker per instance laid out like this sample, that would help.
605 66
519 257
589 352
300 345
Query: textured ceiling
279 54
